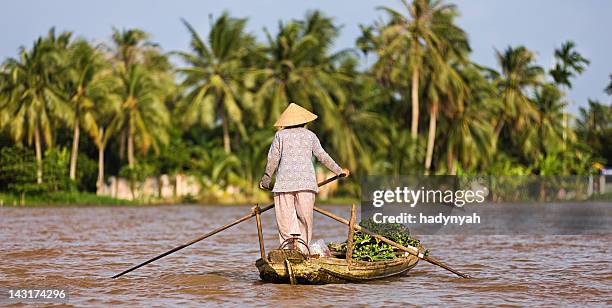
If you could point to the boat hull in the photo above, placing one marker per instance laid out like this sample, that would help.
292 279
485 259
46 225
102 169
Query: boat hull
322 270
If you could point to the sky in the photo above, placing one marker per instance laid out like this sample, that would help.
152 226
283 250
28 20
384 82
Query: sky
540 25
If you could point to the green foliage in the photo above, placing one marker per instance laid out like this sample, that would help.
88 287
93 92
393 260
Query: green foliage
368 248
172 158
18 171
136 175
252 155
215 75
393 232
27 95
569 63
189 198
594 127
215 166
55 170
87 171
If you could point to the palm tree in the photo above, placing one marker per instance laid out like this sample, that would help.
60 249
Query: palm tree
359 118
392 155
85 83
104 91
29 105
218 167
144 86
409 39
541 142
5 91
130 45
569 64
143 116
465 118
594 126
214 77
469 137
128 48
445 86
252 160
299 67
519 74
549 128
445 79
105 112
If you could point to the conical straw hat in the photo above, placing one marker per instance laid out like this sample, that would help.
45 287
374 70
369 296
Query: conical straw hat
294 115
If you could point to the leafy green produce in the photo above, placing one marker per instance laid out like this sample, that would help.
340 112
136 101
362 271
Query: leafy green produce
367 248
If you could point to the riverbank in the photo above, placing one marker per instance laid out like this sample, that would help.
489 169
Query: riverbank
62 199
601 197
89 199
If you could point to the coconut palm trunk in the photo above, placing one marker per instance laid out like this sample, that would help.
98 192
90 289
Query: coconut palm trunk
100 180
497 132
130 146
415 104
38 149
450 162
498 128
122 142
101 146
431 138
226 136
541 139
75 148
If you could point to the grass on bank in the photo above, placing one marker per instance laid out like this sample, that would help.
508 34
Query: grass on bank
62 198
85 199
601 197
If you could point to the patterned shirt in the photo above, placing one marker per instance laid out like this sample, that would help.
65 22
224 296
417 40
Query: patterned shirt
291 152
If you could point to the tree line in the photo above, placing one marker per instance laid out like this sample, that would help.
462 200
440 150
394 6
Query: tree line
72 112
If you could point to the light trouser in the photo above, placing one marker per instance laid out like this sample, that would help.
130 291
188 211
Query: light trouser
294 215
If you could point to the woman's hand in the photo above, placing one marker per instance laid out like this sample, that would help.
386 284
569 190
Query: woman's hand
345 173
261 186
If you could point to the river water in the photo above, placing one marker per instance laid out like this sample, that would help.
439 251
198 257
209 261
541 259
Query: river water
80 248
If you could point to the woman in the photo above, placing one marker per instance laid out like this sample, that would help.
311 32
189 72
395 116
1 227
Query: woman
296 184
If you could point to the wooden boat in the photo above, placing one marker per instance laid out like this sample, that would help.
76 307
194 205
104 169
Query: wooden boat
288 265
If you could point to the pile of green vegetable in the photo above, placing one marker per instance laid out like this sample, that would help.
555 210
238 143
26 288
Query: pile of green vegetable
367 248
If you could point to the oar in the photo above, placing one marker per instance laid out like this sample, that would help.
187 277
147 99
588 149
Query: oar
211 233
411 250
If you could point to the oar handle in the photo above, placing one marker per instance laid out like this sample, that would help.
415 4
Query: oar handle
333 178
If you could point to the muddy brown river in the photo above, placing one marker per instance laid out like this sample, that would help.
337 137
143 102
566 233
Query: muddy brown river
80 248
